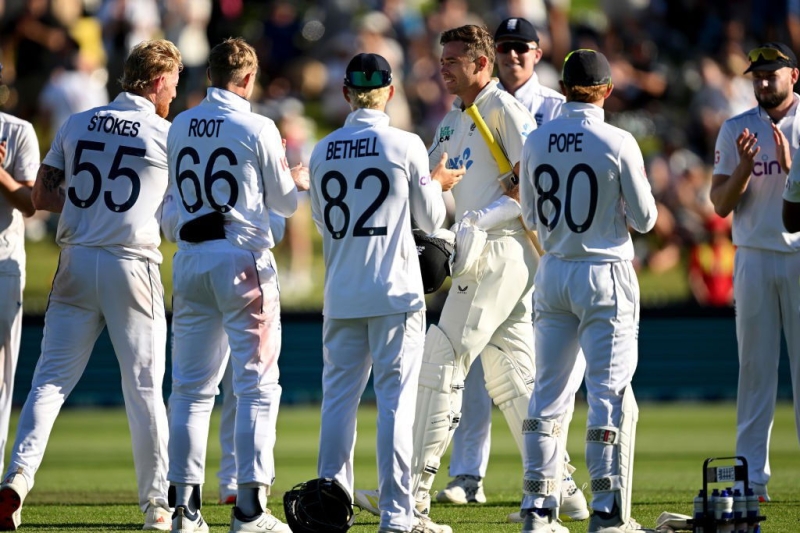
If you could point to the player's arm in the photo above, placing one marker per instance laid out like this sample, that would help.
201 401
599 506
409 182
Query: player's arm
527 198
515 124
16 193
640 206
48 194
425 194
727 188
791 199
16 185
277 226
313 190
280 192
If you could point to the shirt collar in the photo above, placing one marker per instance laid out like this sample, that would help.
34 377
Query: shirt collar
582 109
224 97
490 87
134 101
367 117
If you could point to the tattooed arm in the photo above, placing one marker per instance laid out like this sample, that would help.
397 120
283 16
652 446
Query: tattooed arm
48 194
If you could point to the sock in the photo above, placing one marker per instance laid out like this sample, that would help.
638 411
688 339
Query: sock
187 496
251 499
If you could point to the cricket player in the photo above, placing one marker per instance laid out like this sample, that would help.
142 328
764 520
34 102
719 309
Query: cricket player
368 180
19 162
106 173
488 309
227 168
582 182
517 47
753 157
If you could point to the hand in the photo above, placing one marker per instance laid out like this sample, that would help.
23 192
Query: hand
782 149
447 177
3 151
746 145
300 177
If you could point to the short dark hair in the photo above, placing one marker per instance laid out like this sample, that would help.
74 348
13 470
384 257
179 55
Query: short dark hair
477 38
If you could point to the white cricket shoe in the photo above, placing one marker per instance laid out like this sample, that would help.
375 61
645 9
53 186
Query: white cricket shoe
13 491
616 525
573 504
760 491
463 489
227 496
535 523
157 518
263 523
183 522
367 500
423 524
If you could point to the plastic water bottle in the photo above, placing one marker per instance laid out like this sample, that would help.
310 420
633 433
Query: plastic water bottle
699 512
739 511
752 510
723 511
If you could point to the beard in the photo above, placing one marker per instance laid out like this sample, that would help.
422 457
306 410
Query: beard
771 101
162 108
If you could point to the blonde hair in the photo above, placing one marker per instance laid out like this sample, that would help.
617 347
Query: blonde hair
368 99
586 94
147 61
478 40
230 61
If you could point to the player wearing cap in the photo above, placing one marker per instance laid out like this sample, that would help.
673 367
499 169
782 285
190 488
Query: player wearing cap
227 168
106 173
488 308
752 159
368 180
582 183
517 46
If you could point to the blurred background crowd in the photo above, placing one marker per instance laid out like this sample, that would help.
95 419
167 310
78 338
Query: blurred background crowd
677 68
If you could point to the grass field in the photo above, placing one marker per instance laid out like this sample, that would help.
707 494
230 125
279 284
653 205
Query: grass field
86 482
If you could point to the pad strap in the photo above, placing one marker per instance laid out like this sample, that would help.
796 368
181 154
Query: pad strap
607 484
603 434
545 427
536 487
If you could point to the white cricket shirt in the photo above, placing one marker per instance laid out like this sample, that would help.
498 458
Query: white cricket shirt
367 181
22 163
757 221
115 166
582 182
510 123
543 102
224 157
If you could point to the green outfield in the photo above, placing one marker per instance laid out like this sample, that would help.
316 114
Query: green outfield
86 482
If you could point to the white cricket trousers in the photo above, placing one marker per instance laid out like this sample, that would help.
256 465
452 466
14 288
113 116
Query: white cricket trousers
766 289
594 306
224 296
391 346
10 331
94 288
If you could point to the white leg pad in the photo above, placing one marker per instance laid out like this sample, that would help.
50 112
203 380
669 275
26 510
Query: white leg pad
438 407
624 439
509 387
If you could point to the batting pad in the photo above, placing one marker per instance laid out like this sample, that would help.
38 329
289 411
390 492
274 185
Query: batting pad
509 389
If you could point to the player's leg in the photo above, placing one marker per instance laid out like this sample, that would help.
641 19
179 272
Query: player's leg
607 296
137 326
758 316
251 311
790 309
227 462
345 372
198 359
72 325
396 343
469 457
10 331
556 331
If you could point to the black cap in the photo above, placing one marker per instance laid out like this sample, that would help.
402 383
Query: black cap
516 29
586 68
763 57
368 71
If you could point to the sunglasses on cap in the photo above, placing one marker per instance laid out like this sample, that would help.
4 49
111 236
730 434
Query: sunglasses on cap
360 79
767 54
518 46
